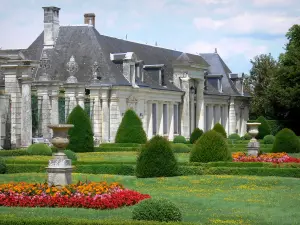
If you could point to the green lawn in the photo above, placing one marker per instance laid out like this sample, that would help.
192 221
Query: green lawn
203 199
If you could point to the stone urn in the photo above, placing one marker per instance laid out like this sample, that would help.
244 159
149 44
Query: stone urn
253 145
60 167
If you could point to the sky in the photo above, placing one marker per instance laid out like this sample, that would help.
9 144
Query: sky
239 29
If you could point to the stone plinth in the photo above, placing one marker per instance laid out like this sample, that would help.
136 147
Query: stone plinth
253 145
253 148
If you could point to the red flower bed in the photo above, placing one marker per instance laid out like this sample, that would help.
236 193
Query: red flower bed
268 157
40 195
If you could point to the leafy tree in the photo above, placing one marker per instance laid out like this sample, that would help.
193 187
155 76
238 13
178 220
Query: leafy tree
263 128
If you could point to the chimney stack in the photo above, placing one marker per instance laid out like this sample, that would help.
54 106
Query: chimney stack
89 18
51 25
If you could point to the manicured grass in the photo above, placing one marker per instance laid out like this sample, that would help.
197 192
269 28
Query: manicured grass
202 199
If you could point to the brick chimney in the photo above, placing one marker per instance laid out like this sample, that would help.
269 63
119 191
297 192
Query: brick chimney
89 18
51 25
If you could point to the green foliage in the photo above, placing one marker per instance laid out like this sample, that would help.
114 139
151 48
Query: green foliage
220 129
235 137
34 113
275 126
246 137
179 139
269 139
131 129
156 159
17 152
157 210
2 166
114 145
39 149
116 149
264 128
81 135
286 141
71 155
196 134
210 147
180 148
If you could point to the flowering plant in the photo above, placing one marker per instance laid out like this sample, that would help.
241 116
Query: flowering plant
281 157
87 195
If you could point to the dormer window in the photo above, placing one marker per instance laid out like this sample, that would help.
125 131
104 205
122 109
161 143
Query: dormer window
157 72
216 81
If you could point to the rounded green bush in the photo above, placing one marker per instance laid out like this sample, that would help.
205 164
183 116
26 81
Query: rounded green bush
269 139
157 210
156 159
209 148
286 141
39 149
81 135
247 136
3 167
180 148
131 129
196 134
220 129
235 137
71 155
264 128
179 139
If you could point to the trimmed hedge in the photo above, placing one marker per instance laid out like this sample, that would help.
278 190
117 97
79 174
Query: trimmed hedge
117 149
220 129
18 152
114 145
156 159
70 154
269 139
196 134
264 128
39 149
131 129
246 137
2 166
81 135
286 141
179 139
234 137
180 148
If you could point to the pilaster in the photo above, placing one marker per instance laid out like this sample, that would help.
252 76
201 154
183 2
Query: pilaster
96 116
105 116
217 114
43 95
226 118
150 120
200 112
80 96
160 118
232 117
210 116
185 115
171 120
114 117
54 104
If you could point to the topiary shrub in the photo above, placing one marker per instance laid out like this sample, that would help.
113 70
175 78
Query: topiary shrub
179 139
71 155
156 210
81 135
220 129
156 159
131 129
39 149
180 148
246 137
286 141
3 167
196 134
264 128
269 139
209 148
235 137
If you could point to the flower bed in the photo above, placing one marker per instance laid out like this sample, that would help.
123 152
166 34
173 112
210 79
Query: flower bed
80 195
267 157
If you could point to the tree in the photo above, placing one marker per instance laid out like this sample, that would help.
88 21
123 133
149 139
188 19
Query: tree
81 135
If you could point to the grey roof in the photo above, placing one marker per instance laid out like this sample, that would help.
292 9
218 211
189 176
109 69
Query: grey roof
218 66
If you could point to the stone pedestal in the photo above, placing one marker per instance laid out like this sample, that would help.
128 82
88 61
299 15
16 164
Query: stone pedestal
253 145
253 148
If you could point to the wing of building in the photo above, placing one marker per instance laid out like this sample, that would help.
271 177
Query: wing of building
173 92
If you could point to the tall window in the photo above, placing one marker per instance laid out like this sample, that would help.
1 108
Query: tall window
165 118
131 75
154 119
175 119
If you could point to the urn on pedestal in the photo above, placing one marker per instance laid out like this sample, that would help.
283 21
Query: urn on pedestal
60 167
253 145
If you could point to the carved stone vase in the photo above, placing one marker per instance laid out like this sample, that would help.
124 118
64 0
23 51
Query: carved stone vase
253 145
60 167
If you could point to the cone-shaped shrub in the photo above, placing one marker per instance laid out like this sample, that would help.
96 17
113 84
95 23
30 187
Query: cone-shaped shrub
220 129
286 141
264 128
196 134
81 135
156 159
210 147
131 129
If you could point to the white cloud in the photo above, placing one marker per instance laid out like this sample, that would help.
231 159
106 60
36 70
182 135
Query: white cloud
273 2
213 2
248 23
228 47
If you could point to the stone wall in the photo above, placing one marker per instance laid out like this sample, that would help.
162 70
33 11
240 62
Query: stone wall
4 122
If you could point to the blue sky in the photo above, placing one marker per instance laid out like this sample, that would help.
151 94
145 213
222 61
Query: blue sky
239 29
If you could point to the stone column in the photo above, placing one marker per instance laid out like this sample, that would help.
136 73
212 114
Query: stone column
150 120
210 117
185 115
217 114
171 120
245 119
54 105
96 120
26 114
226 119
232 117
105 116
80 96
160 122
192 103
70 94
45 109
145 116
200 113
114 118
